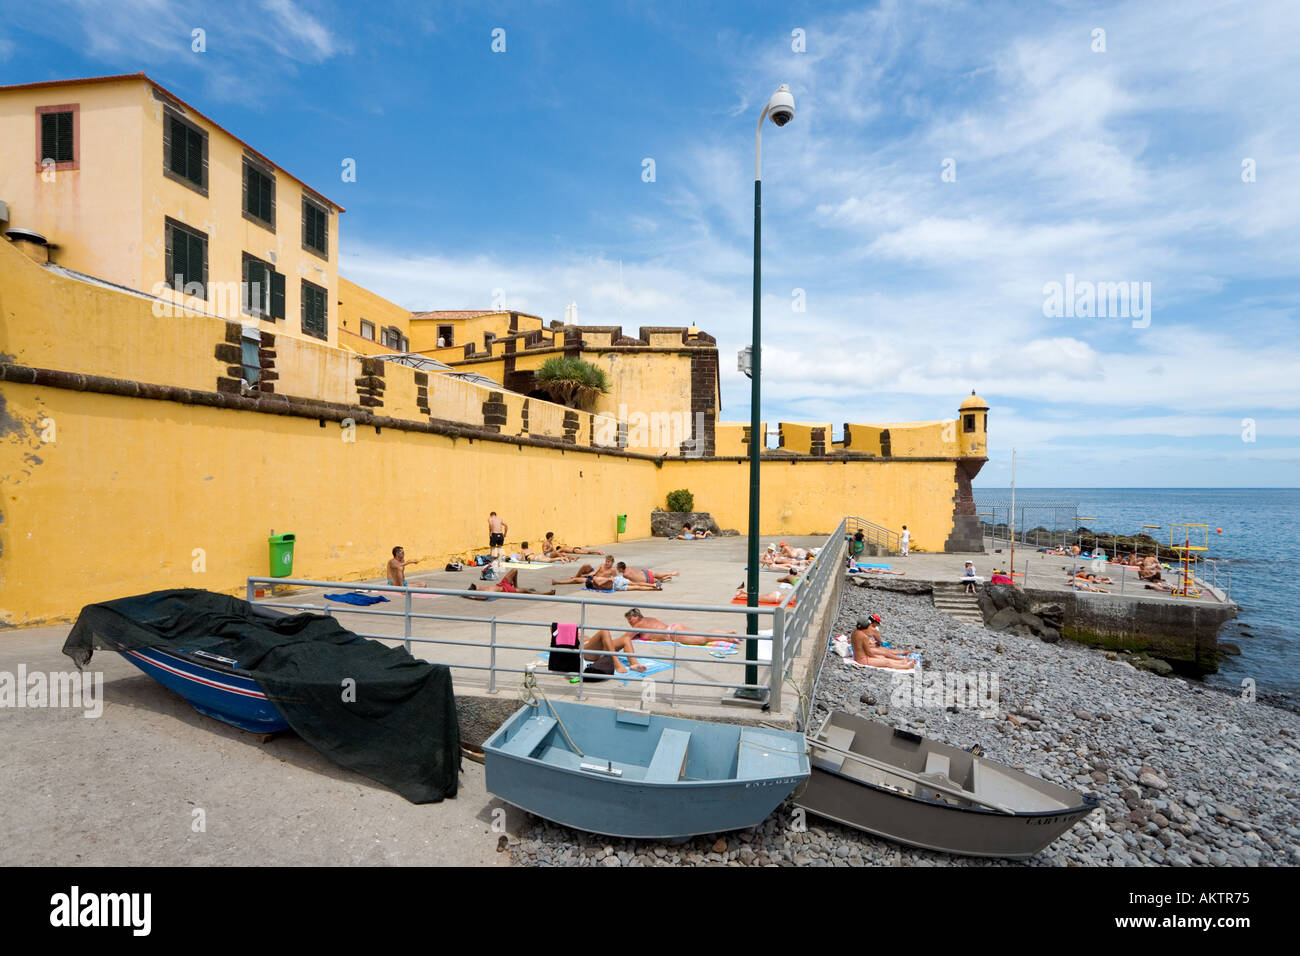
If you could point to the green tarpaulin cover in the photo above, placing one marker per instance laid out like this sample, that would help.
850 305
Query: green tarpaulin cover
398 727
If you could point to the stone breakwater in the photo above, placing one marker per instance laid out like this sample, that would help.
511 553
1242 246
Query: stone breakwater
1187 776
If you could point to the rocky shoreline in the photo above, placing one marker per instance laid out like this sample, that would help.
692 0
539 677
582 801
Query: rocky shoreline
1187 775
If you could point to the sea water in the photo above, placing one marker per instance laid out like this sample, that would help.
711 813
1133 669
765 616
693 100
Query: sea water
1259 547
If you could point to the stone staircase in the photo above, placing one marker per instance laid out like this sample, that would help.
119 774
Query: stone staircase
952 599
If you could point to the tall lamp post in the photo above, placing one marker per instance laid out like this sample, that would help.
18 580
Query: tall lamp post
781 109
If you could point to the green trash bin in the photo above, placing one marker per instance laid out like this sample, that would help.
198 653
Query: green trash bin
281 555
622 524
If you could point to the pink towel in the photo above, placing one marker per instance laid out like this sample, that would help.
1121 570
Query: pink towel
566 635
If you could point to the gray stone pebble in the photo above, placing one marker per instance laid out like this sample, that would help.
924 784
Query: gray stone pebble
1187 776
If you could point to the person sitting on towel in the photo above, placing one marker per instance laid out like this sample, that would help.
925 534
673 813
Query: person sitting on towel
689 535
509 584
644 575
641 624
528 555
549 546
868 650
605 641
397 567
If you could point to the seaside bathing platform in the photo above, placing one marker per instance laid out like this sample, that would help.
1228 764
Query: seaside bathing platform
462 631
1181 630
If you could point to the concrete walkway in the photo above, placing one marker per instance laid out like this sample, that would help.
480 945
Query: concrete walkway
123 788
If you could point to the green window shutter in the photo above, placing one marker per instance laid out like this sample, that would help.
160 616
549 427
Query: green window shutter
49 136
179 258
277 295
195 161
248 192
56 137
170 274
167 142
64 124
176 152
255 286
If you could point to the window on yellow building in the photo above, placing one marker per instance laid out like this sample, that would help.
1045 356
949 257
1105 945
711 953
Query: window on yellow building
187 259
315 228
259 193
315 318
57 127
367 330
185 152
263 290
968 423
446 335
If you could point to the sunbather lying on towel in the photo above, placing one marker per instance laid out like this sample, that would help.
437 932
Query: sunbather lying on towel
592 577
689 534
771 597
799 554
1160 586
605 641
868 650
773 559
644 575
620 583
529 555
508 584
549 546
1081 585
642 624
1087 577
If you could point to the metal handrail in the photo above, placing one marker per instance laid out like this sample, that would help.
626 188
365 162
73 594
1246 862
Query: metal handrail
789 624
409 615
879 535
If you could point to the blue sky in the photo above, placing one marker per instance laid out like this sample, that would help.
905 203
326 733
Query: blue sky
523 171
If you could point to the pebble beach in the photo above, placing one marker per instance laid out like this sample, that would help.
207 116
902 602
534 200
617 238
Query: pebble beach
1187 775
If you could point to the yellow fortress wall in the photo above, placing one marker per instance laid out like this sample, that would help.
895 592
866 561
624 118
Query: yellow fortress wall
128 465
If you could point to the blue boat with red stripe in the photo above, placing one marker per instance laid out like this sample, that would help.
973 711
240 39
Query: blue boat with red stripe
211 684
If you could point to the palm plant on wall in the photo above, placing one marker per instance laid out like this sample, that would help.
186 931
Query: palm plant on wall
572 382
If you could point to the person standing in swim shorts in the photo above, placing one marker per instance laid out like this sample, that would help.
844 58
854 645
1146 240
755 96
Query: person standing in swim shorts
496 534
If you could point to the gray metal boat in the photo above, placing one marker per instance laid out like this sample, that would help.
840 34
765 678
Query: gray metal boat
901 786
634 774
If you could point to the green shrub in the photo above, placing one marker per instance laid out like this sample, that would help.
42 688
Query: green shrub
681 500
571 381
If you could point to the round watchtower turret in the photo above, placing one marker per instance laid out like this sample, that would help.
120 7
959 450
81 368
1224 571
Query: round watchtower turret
973 426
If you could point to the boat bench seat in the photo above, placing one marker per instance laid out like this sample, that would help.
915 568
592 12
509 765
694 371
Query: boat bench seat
669 757
937 764
840 738
530 735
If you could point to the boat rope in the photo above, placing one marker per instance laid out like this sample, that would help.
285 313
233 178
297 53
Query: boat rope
530 692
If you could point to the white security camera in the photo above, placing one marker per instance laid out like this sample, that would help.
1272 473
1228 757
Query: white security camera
781 106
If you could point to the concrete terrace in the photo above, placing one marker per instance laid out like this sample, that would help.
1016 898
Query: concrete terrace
1041 571
122 789
710 570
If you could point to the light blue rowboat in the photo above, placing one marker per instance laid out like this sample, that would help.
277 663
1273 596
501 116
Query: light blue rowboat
631 774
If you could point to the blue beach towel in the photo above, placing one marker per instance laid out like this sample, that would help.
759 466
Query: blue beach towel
651 667
355 597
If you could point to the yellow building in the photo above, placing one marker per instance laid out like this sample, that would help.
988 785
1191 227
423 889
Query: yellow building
127 183
151 438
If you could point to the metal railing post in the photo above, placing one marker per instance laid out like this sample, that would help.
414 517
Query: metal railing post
492 658
778 659
248 590
407 616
